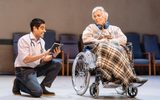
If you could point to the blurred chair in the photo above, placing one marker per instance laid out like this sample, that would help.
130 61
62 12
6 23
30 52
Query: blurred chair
50 38
81 44
151 45
70 47
16 37
140 59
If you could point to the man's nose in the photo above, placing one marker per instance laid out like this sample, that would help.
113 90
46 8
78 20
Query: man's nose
45 30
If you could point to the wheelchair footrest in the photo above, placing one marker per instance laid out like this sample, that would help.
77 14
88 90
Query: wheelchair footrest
110 85
136 84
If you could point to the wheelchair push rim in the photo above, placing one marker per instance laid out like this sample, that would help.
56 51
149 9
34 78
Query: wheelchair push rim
80 74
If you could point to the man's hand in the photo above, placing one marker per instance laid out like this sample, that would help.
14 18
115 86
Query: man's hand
56 51
49 56
46 53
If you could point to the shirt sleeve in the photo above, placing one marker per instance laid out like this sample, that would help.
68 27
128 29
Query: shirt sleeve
23 48
119 37
88 33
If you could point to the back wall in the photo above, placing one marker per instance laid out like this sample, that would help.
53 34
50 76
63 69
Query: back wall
72 16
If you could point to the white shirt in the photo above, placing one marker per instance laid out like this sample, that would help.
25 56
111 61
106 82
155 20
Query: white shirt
28 45
92 34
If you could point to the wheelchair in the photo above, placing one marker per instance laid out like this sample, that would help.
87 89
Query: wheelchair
84 64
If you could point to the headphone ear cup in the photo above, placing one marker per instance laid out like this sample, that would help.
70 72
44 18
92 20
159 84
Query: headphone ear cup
106 25
99 26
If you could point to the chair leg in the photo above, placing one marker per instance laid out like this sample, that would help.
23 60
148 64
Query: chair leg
62 54
149 69
62 69
154 68
67 68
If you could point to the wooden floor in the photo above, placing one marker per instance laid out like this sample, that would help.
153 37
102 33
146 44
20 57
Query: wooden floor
64 91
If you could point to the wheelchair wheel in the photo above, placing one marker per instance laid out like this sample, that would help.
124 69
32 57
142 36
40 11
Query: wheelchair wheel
94 90
132 91
80 74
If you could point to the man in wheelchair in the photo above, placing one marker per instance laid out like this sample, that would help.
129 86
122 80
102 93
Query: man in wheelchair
108 46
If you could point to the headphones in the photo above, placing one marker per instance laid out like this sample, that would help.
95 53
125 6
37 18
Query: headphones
105 26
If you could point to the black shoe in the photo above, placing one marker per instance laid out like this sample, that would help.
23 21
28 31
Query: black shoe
16 89
138 80
46 92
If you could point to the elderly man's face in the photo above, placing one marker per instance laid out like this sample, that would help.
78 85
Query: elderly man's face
99 17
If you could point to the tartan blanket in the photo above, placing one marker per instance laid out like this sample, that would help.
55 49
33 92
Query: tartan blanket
114 61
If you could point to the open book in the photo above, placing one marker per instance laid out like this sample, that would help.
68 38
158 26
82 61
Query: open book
54 46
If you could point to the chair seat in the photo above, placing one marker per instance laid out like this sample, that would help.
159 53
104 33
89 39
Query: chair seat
141 61
70 60
57 59
157 61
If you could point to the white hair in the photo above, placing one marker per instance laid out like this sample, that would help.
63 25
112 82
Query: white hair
101 9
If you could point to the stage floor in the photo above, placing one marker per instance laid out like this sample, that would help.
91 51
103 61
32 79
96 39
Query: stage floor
62 86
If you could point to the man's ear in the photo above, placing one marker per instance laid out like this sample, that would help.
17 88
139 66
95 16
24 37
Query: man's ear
34 28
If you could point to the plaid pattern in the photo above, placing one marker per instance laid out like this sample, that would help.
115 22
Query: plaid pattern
114 61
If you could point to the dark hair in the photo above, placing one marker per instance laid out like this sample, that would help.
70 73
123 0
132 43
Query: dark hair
36 22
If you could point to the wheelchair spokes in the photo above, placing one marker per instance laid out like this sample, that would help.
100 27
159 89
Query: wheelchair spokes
80 74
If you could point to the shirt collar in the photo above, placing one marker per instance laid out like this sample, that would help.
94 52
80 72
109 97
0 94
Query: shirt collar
32 37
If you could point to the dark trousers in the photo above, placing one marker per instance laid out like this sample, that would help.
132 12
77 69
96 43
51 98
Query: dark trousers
27 77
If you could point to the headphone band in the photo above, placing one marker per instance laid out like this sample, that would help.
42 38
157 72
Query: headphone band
106 25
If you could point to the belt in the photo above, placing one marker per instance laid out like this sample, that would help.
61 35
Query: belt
22 68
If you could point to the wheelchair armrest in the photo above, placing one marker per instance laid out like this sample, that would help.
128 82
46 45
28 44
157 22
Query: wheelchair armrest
88 45
129 44
128 47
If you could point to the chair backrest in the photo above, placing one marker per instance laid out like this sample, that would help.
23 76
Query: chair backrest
134 38
49 38
81 45
151 44
16 37
70 44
